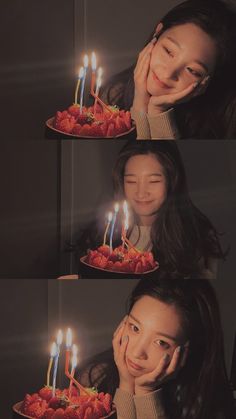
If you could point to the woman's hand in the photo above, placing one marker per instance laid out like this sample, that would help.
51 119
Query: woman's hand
141 95
164 371
160 104
120 342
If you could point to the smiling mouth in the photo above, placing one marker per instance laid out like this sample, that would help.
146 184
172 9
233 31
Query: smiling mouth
143 202
133 365
156 79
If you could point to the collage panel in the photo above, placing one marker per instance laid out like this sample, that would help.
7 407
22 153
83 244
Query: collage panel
83 348
78 71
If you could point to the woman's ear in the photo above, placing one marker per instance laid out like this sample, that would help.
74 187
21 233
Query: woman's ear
158 29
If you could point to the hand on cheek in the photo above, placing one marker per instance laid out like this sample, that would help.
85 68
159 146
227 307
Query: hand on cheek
120 343
166 369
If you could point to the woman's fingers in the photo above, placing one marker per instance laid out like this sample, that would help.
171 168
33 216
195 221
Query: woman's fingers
122 323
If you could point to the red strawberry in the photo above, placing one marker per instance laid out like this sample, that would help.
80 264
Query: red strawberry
77 129
138 268
105 250
100 261
46 393
66 125
117 266
71 413
104 128
89 413
58 414
111 130
48 413
127 120
99 409
36 409
85 130
74 110
96 130
120 125
107 400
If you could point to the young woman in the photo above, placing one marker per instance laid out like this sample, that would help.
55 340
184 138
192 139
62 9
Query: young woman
151 177
168 359
183 84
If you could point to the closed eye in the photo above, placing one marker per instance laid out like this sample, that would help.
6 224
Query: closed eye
162 344
168 51
194 72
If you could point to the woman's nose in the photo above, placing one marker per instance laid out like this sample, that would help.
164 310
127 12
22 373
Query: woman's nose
139 351
171 71
141 190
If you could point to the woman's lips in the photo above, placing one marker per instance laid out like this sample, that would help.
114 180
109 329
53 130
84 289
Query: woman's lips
133 365
143 202
157 80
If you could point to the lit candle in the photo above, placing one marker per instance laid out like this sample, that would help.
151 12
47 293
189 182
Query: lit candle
98 85
68 349
74 362
126 223
53 353
59 342
80 77
116 209
94 68
107 227
86 62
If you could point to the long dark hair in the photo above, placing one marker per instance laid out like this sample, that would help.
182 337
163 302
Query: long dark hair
211 115
201 389
181 234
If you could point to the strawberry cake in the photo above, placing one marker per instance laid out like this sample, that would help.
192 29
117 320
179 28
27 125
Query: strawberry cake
109 122
65 405
121 260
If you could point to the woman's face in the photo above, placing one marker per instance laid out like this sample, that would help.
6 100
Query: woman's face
182 55
154 329
145 186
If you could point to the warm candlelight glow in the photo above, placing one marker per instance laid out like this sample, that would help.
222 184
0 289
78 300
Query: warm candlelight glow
109 217
116 209
74 362
80 77
93 61
86 61
59 337
68 338
53 351
74 349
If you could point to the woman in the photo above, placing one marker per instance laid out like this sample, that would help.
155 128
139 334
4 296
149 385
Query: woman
152 178
168 358
183 84
163 219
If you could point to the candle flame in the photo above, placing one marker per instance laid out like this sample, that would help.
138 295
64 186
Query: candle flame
86 61
116 207
53 351
68 338
81 72
93 61
125 207
110 215
74 349
100 72
74 361
59 337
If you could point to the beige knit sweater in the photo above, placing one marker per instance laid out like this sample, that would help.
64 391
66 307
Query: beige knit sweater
161 127
149 406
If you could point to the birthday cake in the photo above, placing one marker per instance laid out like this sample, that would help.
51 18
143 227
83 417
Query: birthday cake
121 259
93 121
65 404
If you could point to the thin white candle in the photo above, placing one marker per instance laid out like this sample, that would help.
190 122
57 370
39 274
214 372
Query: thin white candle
116 209
80 77
59 342
86 63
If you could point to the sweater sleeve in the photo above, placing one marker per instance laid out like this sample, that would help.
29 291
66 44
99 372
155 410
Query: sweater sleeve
124 403
158 127
150 406
163 126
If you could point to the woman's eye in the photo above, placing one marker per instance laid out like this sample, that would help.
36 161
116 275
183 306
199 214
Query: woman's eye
133 327
168 51
162 344
154 181
130 181
194 72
